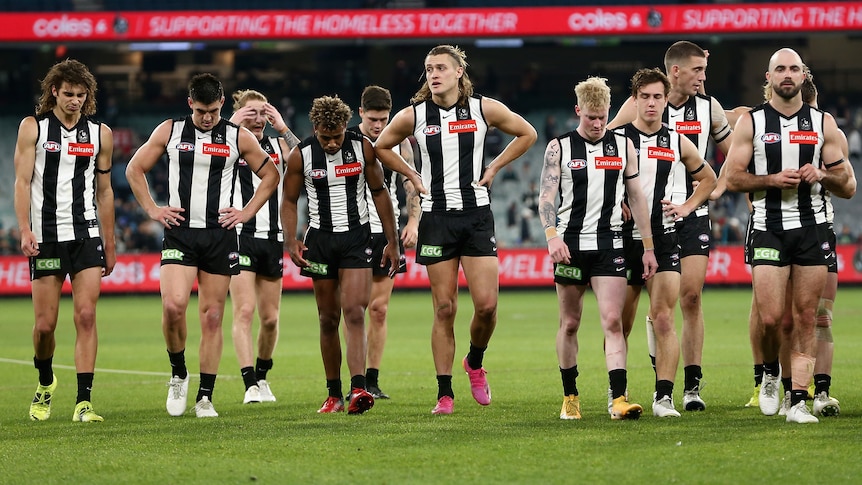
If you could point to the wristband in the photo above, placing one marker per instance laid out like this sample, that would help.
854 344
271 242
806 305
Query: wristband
551 233
650 246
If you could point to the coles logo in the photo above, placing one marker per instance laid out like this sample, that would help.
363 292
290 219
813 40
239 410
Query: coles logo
186 147
431 130
688 127
317 173
804 137
770 138
462 126
609 163
348 169
274 158
660 153
217 150
576 164
65 26
82 149
51 146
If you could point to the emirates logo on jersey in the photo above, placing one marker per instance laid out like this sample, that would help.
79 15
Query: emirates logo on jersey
463 126
609 163
804 137
51 146
576 164
317 173
770 138
348 169
81 149
216 150
660 153
431 130
688 127
186 147
274 158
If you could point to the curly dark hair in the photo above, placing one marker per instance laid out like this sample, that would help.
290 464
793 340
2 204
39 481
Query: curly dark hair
330 113
76 74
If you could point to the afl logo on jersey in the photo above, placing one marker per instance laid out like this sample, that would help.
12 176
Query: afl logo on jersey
770 138
51 146
317 174
186 147
431 130
576 164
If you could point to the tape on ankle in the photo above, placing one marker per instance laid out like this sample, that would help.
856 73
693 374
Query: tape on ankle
823 334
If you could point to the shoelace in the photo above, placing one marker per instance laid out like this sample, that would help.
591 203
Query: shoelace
770 388
176 389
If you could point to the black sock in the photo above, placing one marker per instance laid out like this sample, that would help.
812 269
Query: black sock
207 386
771 368
263 366
787 384
618 379
796 396
371 377
758 374
444 387
334 388
569 377
178 363
248 377
663 388
85 386
46 370
822 383
475 356
693 375
357 382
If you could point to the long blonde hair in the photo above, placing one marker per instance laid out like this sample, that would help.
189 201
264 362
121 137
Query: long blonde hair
465 85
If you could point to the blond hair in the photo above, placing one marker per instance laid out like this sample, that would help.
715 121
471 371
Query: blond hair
593 93
465 85
243 96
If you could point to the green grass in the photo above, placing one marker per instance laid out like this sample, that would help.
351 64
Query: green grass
518 439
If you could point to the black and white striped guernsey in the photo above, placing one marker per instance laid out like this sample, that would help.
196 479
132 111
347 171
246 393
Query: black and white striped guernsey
201 170
781 142
692 119
591 190
451 154
62 191
266 224
658 157
389 179
335 184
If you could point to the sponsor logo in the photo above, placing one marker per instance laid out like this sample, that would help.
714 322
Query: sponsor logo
233 265
51 146
704 237
172 255
770 138
660 153
242 162
609 163
620 269
216 150
825 246
318 173
317 268
688 127
767 254
81 149
463 126
804 137
704 246
348 169
47 264
274 158
569 272
431 251
619 260
186 147
244 260
576 164
431 130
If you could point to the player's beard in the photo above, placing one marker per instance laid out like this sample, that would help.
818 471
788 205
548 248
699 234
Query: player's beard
786 93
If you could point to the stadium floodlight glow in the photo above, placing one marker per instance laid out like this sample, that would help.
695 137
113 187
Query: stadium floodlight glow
160 46
508 42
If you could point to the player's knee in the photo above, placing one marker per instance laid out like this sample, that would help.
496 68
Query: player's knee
690 301
486 311
377 311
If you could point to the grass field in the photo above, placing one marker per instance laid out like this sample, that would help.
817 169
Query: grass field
517 439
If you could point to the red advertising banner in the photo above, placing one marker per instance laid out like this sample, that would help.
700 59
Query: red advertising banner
519 268
250 25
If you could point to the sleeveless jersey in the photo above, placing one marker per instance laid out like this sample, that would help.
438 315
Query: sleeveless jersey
335 184
658 158
591 190
389 181
266 224
201 170
451 154
782 142
693 119
63 192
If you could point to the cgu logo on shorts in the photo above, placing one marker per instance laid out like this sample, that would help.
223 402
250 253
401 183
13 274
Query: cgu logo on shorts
81 149
172 255
609 163
463 126
317 268
767 254
244 260
569 272
804 137
431 251
348 169
688 127
47 264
